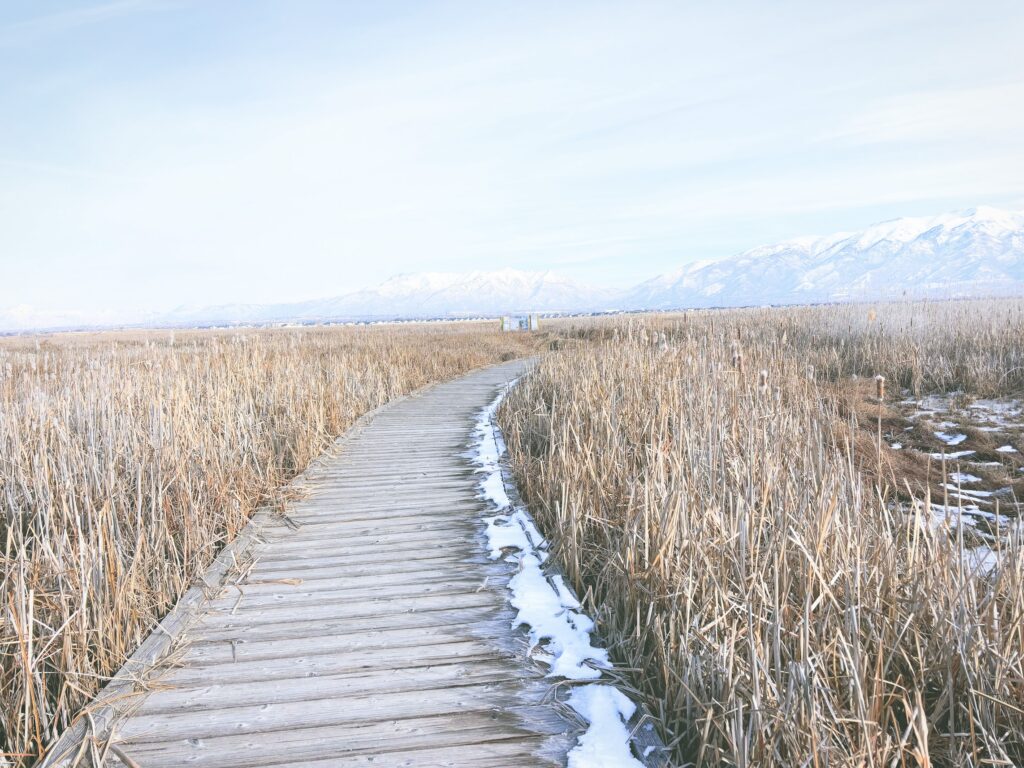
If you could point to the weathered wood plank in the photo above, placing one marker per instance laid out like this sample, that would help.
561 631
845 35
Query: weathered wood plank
361 609
481 618
498 754
289 597
273 716
362 738
374 585
322 665
440 536
240 650
339 553
257 692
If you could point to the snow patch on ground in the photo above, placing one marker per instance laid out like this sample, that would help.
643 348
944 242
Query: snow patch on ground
981 559
942 516
939 516
606 742
953 455
1001 413
505 533
966 492
951 438
562 633
559 631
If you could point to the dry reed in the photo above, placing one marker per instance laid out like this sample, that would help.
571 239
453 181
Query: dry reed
777 609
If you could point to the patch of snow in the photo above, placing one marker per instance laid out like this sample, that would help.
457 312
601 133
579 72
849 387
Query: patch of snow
606 742
546 606
951 516
942 516
953 455
493 489
559 631
1006 449
964 477
564 593
998 411
965 491
951 438
488 456
936 403
563 632
982 559
506 532
897 446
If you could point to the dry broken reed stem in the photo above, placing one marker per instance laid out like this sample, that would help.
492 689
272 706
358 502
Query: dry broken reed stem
128 460
778 612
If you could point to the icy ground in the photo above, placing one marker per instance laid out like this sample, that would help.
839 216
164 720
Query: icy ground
559 631
980 494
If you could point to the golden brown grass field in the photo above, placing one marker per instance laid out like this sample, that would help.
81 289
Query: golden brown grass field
786 554
773 550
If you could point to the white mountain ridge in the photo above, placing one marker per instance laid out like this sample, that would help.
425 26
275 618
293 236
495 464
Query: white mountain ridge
977 252
972 253
418 296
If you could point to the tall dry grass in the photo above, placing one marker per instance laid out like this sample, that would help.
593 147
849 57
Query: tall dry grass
973 346
128 461
777 610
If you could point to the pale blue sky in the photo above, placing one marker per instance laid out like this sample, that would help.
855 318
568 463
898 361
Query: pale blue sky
159 152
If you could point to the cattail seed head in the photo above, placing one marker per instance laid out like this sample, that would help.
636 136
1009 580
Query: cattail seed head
880 387
737 356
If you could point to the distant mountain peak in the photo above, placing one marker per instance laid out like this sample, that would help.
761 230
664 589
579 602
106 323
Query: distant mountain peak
978 251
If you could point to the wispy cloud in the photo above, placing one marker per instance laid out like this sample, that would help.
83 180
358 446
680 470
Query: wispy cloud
30 30
939 114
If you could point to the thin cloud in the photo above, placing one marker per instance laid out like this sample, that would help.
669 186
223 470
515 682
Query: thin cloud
941 114
32 29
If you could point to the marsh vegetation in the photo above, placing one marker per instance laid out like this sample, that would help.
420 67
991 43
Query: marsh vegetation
724 489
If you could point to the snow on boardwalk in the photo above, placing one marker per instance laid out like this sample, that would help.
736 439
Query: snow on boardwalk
368 627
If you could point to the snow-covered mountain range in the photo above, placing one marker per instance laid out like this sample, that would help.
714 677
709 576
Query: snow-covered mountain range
420 295
978 252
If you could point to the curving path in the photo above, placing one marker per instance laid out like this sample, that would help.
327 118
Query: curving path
366 628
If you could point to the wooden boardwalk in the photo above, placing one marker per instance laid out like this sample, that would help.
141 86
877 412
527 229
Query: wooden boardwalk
366 628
